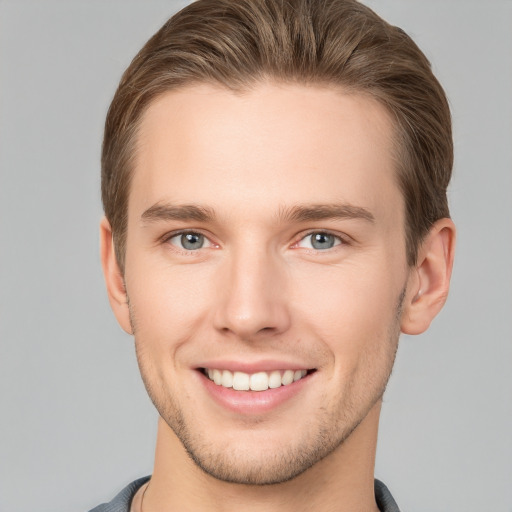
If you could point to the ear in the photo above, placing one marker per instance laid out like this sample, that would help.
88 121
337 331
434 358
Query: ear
429 281
113 277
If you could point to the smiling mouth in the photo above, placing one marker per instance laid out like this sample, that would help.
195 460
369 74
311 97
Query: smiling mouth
260 381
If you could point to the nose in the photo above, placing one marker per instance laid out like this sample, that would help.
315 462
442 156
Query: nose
252 296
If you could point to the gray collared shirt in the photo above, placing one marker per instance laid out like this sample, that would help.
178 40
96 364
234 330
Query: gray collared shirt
122 502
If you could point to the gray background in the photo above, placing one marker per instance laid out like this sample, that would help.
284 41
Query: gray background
76 424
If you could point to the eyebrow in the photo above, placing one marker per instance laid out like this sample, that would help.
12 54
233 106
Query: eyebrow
164 212
323 212
298 213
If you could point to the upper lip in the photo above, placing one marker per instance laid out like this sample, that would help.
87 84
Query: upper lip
253 366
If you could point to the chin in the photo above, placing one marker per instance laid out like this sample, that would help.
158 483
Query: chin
260 457
265 467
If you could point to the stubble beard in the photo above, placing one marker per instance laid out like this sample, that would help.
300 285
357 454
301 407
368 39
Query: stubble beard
331 430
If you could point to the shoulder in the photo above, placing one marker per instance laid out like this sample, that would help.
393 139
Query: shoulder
122 502
383 497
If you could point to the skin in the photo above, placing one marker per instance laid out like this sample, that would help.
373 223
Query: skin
261 163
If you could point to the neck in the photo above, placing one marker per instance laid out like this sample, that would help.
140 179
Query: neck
342 481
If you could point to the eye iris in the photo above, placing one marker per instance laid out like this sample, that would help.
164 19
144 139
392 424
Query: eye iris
322 241
191 241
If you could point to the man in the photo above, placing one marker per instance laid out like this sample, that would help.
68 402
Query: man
274 180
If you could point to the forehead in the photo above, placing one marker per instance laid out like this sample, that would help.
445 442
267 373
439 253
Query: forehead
264 148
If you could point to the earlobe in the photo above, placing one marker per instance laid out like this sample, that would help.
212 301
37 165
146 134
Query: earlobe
113 277
429 281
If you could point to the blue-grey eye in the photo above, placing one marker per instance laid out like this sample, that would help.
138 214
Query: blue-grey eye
189 241
319 241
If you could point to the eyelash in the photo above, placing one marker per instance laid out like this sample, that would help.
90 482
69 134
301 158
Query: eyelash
339 240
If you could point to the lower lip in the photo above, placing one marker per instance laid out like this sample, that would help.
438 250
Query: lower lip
253 402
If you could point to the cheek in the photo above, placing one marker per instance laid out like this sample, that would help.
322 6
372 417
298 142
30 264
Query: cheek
167 303
349 307
352 314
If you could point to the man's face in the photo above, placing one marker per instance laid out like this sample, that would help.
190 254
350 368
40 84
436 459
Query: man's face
265 241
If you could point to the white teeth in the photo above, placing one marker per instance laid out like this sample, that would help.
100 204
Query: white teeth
227 379
240 381
217 377
260 381
299 374
274 380
287 377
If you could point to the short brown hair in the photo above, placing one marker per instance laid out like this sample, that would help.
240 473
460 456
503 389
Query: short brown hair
334 42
